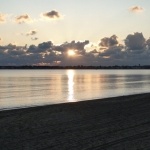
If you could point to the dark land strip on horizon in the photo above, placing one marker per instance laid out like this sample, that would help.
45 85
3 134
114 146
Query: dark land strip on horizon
76 67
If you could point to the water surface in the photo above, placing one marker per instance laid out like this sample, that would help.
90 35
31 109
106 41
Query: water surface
23 88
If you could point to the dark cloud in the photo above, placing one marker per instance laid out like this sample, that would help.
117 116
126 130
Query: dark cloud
135 41
136 9
135 50
11 54
148 43
33 32
115 52
51 57
9 46
52 14
23 19
45 45
41 48
108 42
77 46
94 51
32 49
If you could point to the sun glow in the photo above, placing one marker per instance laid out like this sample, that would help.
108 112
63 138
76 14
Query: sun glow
71 52
70 74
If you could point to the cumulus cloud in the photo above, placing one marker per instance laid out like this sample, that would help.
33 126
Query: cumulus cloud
113 53
134 51
41 48
25 18
2 18
108 42
135 41
32 49
10 54
52 15
136 9
148 43
77 46
45 45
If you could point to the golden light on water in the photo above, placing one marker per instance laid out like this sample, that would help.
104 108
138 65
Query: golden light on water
70 74
71 52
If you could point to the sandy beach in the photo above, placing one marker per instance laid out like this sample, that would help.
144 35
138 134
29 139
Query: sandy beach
120 123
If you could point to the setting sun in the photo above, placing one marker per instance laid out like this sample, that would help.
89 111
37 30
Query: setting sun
71 52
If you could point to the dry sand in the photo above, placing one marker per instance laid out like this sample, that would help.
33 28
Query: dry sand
121 123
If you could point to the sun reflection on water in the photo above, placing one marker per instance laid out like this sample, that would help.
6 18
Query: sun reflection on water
70 74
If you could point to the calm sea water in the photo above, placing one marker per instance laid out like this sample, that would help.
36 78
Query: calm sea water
25 88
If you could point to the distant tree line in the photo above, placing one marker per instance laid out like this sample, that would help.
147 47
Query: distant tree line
77 67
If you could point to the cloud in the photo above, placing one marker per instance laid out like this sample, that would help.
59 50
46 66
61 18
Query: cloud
115 52
108 42
34 39
0 40
10 54
32 32
79 47
135 41
148 43
94 51
134 51
2 18
136 9
45 45
52 15
32 49
25 18
41 48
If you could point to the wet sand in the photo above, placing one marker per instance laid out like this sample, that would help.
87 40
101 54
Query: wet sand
120 123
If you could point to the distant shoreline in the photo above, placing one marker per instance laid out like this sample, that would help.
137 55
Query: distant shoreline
111 123
77 67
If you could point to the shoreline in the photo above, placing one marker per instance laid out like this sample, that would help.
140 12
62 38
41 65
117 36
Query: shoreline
111 123
63 103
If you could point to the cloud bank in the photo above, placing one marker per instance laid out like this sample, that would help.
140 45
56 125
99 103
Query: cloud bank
134 51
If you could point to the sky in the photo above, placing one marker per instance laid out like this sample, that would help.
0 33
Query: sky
100 32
